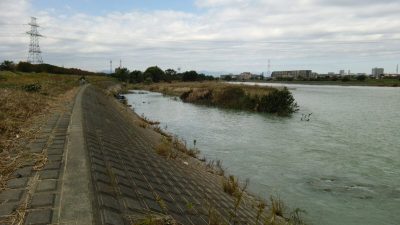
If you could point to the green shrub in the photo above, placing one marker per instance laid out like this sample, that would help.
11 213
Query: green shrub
280 102
345 79
361 78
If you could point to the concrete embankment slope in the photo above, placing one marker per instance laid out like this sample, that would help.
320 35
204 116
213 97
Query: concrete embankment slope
130 180
102 169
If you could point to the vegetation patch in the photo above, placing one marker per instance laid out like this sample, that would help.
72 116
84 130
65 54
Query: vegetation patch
153 219
165 148
230 185
230 96
32 87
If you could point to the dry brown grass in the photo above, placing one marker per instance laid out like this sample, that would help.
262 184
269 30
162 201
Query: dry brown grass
178 88
142 124
153 219
165 148
230 185
181 147
22 113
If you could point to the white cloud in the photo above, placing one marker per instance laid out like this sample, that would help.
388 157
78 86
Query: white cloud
230 35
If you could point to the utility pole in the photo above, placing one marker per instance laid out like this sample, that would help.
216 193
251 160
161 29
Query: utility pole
34 55
120 63
397 69
269 68
110 66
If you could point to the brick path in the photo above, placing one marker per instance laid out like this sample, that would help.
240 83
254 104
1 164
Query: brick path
128 179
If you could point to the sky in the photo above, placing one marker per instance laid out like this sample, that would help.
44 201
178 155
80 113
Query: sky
212 36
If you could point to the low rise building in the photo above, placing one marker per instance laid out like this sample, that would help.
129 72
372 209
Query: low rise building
295 74
245 76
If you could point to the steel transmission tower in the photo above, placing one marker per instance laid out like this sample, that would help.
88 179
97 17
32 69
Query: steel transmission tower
34 55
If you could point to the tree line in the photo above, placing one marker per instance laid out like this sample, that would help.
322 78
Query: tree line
156 74
43 68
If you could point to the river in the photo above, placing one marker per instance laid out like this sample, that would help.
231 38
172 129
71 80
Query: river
342 166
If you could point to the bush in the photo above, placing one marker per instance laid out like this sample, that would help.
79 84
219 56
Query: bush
280 102
345 79
155 73
7 65
361 78
32 87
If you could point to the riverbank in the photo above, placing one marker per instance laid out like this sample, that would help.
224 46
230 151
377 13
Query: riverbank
128 180
336 166
231 96
180 185
367 82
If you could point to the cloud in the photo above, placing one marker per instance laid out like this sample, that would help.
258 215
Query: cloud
228 35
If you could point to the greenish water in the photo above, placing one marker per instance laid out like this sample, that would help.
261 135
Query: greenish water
342 166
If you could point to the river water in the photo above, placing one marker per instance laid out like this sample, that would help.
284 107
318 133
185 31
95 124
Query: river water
342 166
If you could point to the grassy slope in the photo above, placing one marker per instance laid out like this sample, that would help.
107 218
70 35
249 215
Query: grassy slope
20 109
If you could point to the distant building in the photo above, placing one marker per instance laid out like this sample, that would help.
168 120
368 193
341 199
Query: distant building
342 72
377 72
245 76
295 74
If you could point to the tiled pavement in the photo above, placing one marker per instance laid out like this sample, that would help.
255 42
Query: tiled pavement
129 180
41 189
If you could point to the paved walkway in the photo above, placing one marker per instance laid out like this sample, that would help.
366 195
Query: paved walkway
104 170
35 195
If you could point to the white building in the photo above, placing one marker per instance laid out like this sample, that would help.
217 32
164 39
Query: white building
377 72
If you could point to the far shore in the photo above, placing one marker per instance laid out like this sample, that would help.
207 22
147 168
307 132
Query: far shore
369 82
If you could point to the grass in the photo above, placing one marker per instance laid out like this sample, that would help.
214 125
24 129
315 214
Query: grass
153 219
214 166
165 148
230 185
214 218
25 100
279 215
277 206
178 88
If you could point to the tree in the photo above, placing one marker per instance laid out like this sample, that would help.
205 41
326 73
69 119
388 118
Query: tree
136 76
228 78
7 65
25 67
190 76
345 79
122 74
171 74
361 78
155 73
